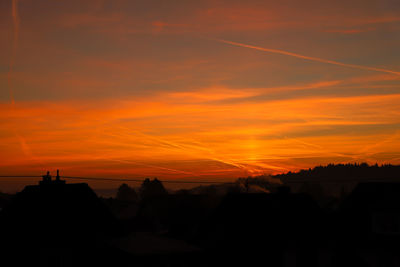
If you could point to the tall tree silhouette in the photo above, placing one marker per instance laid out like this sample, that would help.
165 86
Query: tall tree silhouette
152 188
126 193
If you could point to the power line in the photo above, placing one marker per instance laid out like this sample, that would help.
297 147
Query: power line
137 180
116 179
21 176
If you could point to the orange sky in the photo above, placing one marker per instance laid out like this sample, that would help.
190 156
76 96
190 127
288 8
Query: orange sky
205 90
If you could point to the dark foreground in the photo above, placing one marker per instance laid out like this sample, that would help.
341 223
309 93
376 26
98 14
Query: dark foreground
59 224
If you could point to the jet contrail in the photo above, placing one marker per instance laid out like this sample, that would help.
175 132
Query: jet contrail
14 13
286 53
15 17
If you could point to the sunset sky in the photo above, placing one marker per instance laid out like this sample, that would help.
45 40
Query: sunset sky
201 90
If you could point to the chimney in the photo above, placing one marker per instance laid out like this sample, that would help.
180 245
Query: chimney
58 176
46 178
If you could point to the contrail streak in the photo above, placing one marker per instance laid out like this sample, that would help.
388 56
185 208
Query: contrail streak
390 139
15 17
316 59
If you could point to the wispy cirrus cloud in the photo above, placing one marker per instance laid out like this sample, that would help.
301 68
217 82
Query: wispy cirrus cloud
137 136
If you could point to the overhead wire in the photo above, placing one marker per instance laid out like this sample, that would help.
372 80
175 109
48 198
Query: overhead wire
116 179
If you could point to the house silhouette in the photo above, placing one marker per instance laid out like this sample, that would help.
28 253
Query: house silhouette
57 224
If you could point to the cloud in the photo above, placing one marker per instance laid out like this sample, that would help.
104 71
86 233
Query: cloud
142 136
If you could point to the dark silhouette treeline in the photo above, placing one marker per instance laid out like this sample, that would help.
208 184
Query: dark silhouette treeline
335 181
282 220
337 172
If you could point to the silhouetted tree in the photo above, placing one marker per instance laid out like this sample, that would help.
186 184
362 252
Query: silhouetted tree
356 171
126 193
152 188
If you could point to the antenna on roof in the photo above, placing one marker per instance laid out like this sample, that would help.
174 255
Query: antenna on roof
47 179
